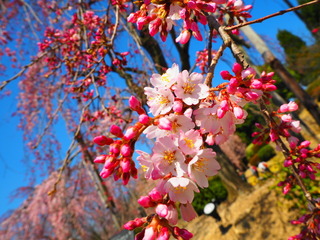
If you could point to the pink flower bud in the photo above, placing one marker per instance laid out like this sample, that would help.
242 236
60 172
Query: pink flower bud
163 234
286 118
238 112
125 178
286 188
224 105
220 113
256 84
134 103
100 159
292 106
237 68
225 75
126 150
177 106
287 163
273 136
293 141
106 172
210 139
144 119
183 233
162 210
269 87
184 37
110 162
284 108
130 133
150 233
125 165
115 148
145 201
131 225
102 140
155 195
116 130
165 124
305 144
252 96
302 174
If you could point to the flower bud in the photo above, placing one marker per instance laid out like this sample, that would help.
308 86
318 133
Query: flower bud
116 130
165 124
125 178
238 112
237 68
126 150
162 210
134 103
144 119
225 75
130 133
155 195
125 164
100 159
145 201
102 140
106 172
177 106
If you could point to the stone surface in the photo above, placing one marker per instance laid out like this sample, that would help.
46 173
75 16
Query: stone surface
260 215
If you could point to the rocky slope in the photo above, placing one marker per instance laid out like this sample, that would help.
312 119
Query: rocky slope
260 215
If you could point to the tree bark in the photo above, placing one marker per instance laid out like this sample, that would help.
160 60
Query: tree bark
306 100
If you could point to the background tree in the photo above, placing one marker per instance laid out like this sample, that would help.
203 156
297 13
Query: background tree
91 59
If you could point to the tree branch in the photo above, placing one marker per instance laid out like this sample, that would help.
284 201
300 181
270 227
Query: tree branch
271 15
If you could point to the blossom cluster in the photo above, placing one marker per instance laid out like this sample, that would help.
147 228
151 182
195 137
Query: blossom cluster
161 16
188 118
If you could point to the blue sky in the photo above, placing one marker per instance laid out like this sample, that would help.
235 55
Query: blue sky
13 169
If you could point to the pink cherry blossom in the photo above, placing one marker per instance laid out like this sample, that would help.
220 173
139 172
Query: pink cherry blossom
190 142
166 155
190 88
160 101
167 79
180 189
187 212
202 166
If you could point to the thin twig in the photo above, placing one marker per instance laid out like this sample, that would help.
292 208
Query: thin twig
24 68
271 15
115 26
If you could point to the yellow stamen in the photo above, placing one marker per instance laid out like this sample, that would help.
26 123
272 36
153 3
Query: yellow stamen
189 142
188 88
169 156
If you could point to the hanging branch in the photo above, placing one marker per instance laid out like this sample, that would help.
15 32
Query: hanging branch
271 15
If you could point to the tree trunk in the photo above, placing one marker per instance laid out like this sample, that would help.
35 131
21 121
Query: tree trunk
102 190
230 177
279 69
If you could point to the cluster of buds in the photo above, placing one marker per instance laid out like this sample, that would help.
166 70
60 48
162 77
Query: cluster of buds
202 59
300 155
161 16
311 222
244 84
282 125
79 61
119 160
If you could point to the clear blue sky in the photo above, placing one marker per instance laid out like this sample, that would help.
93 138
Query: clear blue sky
12 168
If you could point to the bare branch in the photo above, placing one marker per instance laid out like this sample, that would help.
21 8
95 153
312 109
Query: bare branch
271 15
